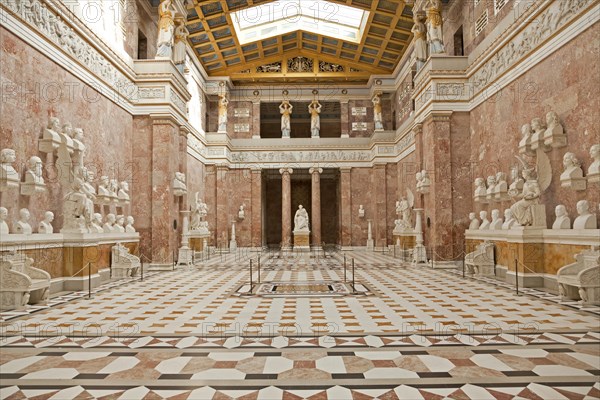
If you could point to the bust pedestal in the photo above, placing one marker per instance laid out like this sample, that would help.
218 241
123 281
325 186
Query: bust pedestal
302 240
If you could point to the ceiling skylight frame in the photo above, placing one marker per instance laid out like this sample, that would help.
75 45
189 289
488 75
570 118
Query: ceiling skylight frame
285 16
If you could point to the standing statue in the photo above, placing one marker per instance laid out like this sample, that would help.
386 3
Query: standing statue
420 33
435 36
404 211
166 27
301 220
537 180
377 113
285 108
179 48
315 120
199 211
223 103
78 209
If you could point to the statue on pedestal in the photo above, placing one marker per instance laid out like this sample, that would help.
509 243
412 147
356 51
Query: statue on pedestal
78 209
315 121
435 36
555 134
572 176
285 109
166 28
9 177
45 225
34 181
199 212
50 137
123 193
404 211
223 103
361 211
377 111
537 180
301 220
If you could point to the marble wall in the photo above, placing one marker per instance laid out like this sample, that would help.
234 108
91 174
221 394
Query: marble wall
34 89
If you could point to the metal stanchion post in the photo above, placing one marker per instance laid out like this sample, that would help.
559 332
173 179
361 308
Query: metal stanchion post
353 288
517 275
345 280
89 280
250 276
258 269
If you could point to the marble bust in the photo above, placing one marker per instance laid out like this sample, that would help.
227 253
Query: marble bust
361 211
119 226
103 189
516 187
179 186
562 220
593 174
9 177
96 225
480 190
554 136
572 175
491 187
22 225
34 182
496 220
45 225
241 213
129 227
50 140
425 182
3 218
485 222
123 193
474 221
109 225
525 143
509 221
501 188
301 220
113 189
585 220
537 138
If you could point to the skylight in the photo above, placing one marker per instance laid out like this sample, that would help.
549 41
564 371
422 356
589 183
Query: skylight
284 16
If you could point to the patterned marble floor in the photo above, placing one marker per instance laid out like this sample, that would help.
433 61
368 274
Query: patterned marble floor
185 335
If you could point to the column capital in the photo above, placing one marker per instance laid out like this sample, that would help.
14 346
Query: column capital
284 170
345 170
315 170
418 129
255 170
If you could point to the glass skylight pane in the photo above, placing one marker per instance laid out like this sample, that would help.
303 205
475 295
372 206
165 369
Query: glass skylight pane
284 16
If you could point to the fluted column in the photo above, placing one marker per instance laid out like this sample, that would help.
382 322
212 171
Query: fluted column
286 207
346 208
315 174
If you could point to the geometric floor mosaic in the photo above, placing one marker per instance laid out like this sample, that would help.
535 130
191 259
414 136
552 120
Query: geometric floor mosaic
423 334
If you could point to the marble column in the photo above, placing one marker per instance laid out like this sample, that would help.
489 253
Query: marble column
315 174
345 208
256 120
379 185
222 207
286 207
256 208
345 121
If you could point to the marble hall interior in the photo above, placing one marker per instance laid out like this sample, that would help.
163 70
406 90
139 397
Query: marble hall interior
299 199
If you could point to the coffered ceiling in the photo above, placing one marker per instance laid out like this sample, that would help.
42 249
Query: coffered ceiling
299 48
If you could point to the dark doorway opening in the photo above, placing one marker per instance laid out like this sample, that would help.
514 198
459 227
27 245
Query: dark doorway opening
142 46
459 42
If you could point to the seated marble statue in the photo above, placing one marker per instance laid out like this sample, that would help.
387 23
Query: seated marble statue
585 220
537 138
516 187
301 220
485 222
572 167
123 193
562 220
497 222
525 143
78 209
480 189
119 226
522 210
501 188
129 227
474 221
45 225
509 221
555 134
96 226
593 174
22 225
3 218
8 174
109 225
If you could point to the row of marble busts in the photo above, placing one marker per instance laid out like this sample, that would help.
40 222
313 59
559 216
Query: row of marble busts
10 178
110 191
113 224
496 189
584 220
544 136
572 176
